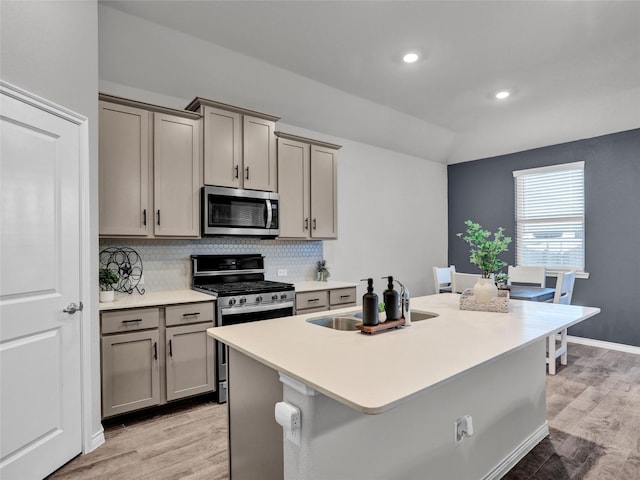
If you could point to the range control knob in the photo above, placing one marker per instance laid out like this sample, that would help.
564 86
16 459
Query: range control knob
258 298
232 301
274 297
243 301
283 296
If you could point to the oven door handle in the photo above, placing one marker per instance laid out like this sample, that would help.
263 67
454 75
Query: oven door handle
254 309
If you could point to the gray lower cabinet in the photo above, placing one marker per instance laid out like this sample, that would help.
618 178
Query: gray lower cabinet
130 372
322 300
151 356
187 374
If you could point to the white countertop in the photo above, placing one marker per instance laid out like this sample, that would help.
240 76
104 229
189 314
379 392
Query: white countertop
373 374
152 299
312 286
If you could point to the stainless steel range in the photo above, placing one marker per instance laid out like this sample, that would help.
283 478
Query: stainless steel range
243 296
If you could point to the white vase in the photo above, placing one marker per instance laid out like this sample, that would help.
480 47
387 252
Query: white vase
107 296
484 290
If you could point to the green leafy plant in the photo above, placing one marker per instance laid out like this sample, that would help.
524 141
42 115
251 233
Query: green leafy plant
484 250
108 278
501 279
323 270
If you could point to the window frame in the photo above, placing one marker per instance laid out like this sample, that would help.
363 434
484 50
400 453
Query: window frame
518 175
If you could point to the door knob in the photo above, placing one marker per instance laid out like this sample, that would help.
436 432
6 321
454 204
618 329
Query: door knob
73 308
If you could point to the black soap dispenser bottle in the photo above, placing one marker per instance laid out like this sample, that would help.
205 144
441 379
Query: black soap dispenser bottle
391 300
369 305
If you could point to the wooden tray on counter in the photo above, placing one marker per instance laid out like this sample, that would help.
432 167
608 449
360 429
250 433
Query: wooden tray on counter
381 327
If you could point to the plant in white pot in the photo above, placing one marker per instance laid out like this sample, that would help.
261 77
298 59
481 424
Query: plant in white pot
484 252
108 278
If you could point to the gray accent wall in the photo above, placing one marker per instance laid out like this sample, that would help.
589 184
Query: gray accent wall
483 191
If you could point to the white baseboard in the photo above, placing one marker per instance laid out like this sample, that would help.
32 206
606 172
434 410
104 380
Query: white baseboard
518 453
620 347
97 439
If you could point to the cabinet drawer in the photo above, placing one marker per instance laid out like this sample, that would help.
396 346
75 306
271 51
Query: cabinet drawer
130 320
189 313
312 299
342 295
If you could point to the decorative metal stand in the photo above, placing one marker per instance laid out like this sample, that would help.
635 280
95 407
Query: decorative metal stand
127 263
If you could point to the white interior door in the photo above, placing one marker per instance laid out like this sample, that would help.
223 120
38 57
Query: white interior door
40 382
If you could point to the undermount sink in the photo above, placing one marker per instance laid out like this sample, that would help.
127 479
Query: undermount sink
348 321
416 316
337 323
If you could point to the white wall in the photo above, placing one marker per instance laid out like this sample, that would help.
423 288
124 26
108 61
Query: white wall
136 52
50 48
392 207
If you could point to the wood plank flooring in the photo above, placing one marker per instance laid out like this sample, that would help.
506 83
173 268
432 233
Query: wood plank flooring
593 407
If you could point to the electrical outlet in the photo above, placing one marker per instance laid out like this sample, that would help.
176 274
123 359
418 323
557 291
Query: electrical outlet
462 428
282 272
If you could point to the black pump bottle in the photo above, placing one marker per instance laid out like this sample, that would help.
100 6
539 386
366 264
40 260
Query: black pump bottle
369 305
391 300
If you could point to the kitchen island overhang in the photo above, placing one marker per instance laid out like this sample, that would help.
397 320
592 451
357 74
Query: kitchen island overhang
401 392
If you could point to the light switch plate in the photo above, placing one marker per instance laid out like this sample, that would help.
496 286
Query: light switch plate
282 272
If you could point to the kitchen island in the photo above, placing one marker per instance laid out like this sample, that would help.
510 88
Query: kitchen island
385 406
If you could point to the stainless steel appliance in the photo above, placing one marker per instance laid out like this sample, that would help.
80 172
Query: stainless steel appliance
232 211
243 296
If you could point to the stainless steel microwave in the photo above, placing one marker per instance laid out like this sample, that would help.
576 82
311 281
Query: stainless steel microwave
232 211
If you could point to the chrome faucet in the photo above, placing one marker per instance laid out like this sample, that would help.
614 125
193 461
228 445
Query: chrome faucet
404 303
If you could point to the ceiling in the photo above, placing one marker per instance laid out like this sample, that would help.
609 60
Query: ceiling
552 55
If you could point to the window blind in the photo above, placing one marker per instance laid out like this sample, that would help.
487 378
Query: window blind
549 214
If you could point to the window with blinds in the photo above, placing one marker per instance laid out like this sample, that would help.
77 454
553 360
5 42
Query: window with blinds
550 217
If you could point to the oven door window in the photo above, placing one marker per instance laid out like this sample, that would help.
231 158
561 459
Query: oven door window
236 212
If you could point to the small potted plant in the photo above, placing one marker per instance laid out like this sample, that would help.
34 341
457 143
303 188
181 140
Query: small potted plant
502 280
108 278
323 271
484 253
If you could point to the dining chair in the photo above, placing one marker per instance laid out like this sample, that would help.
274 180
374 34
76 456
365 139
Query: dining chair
461 281
530 276
563 295
442 278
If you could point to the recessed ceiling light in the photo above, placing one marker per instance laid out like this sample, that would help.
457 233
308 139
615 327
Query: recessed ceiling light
410 57
502 94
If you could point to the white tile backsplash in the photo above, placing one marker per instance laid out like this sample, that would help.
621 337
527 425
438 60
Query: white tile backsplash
166 263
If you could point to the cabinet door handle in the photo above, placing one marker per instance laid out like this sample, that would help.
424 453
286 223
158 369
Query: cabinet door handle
237 171
315 224
155 350
194 314
144 216
247 173
345 296
132 321
306 223
313 300
158 217
170 348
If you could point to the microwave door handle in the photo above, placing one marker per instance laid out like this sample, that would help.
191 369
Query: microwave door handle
269 214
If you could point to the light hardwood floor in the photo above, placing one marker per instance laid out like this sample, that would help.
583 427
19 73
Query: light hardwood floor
593 407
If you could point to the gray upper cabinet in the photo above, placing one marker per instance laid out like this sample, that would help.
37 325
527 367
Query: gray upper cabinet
150 170
324 195
239 146
176 176
293 183
124 170
307 179
222 147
